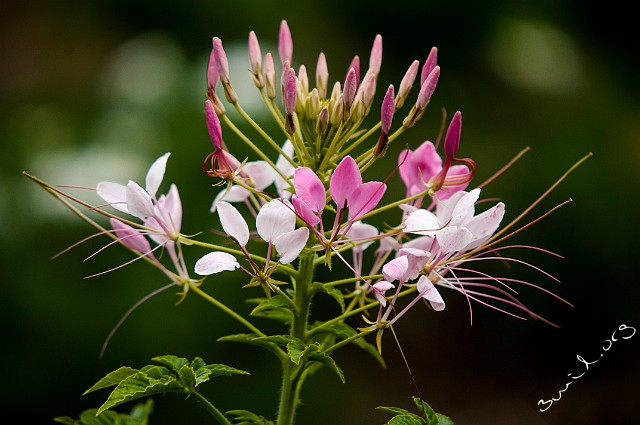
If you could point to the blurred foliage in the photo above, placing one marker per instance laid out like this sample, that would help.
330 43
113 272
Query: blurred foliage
97 90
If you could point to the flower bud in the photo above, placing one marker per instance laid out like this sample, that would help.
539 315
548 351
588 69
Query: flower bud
285 43
386 116
213 124
369 89
212 75
427 89
303 80
406 84
452 139
337 91
289 97
255 58
323 120
358 111
375 60
337 112
270 76
350 87
313 104
222 65
322 76
355 65
429 64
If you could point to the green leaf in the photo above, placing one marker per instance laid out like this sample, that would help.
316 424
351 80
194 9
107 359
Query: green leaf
140 385
187 376
112 379
276 308
443 419
157 372
283 316
344 331
210 371
172 362
296 349
245 417
409 419
139 415
333 292
393 410
434 418
252 339
197 363
327 361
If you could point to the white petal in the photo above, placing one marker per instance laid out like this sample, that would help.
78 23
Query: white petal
453 239
233 194
417 258
169 209
115 194
139 202
233 223
396 269
286 168
464 209
261 173
430 293
274 219
289 245
421 222
216 262
485 224
155 174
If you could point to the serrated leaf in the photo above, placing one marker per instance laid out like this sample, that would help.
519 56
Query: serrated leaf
140 385
197 363
252 339
245 417
187 376
326 360
296 349
112 379
443 419
344 331
157 372
214 370
141 412
393 410
276 308
333 292
283 316
409 419
139 415
434 418
174 363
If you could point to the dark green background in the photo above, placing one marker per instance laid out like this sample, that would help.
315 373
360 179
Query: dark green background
99 89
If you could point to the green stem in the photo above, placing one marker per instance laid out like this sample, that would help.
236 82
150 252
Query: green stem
210 408
302 298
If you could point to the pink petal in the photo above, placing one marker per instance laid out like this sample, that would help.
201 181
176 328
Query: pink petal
379 289
485 224
365 198
345 179
309 188
155 174
233 223
429 292
453 239
417 259
115 194
261 173
274 219
304 211
138 201
360 231
130 237
290 244
215 262
170 208
396 269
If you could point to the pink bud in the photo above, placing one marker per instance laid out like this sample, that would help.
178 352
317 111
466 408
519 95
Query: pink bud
322 76
429 64
220 59
270 76
290 86
387 110
285 43
350 87
375 60
369 89
452 139
213 124
407 83
355 64
255 56
212 75
427 89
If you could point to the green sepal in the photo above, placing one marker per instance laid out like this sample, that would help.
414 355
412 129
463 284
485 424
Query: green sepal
112 379
139 415
245 417
334 293
174 363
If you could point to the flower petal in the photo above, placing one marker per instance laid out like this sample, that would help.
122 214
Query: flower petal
155 174
360 231
453 239
233 223
345 179
290 244
275 218
130 237
309 188
139 202
379 289
286 168
365 198
232 194
216 262
421 222
429 292
396 269
115 194
484 225
261 173
464 209
417 259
